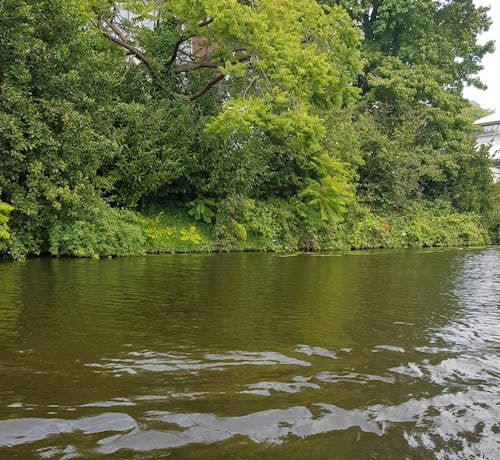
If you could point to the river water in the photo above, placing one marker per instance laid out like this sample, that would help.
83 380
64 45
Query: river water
252 356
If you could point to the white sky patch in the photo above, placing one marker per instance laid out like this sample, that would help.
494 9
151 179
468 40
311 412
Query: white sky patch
490 75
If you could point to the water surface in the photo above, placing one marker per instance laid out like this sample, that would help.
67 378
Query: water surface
252 356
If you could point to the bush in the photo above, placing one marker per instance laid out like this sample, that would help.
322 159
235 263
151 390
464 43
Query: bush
99 231
419 226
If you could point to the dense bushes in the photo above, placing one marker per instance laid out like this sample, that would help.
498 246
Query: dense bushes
278 226
273 225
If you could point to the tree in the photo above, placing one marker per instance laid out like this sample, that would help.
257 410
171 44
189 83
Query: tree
56 91
418 56
279 67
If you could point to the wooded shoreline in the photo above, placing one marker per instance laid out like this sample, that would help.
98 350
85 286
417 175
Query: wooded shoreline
144 126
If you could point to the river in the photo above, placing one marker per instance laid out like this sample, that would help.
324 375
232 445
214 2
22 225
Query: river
389 354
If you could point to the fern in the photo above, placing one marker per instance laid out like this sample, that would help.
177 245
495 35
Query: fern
190 235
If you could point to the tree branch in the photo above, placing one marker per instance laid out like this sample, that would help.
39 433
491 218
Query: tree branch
115 29
190 66
205 22
177 45
113 33
121 40
134 52
217 78
205 64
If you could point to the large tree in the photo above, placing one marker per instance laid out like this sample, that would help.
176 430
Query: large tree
416 139
273 69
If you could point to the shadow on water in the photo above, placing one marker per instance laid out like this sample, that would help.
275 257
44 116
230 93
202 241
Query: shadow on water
388 354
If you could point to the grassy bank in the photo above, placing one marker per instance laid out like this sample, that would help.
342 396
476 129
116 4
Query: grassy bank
266 227
278 232
256 226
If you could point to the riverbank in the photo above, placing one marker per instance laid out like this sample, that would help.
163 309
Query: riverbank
265 226
269 227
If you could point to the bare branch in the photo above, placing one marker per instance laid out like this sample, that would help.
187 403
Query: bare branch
181 40
115 29
217 78
190 66
134 52
187 55
121 40
205 22
177 45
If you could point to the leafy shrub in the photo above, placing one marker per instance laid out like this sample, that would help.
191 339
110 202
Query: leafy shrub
201 209
174 230
418 227
100 231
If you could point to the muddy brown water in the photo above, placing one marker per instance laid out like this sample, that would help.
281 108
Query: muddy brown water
252 356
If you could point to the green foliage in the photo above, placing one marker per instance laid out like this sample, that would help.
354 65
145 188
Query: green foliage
154 150
5 210
190 235
239 230
55 94
278 129
273 225
201 209
415 130
285 64
99 232
232 214
331 194
418 227
494 215
173 230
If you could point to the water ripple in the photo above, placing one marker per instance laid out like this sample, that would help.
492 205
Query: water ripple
150 361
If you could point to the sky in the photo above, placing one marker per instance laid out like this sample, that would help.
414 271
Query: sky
490 75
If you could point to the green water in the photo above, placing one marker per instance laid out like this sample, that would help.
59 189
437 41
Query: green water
379 355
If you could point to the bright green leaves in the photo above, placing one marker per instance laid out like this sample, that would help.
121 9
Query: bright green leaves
300 129
190 235
329 195
5 210
273 70
332 193
221 104
295 46
301 62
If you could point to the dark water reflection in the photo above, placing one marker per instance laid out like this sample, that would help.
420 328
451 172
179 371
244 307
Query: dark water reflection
382 355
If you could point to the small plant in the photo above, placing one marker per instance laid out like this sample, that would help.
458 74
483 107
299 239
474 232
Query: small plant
190 235
239 229
200 209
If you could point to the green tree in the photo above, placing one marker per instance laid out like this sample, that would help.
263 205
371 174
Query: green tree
264 76
57 80
416 140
